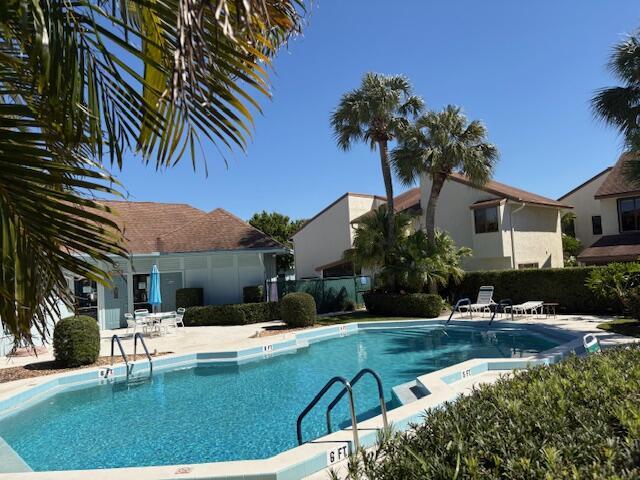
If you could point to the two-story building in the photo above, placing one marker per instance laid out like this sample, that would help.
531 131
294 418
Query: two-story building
506 227
607 216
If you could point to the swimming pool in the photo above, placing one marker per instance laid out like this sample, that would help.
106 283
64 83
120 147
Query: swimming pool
238 411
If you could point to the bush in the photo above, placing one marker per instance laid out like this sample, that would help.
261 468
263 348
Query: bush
423 305
189 297
298 309
253 294
349 305
237 314
579 418
618 282
565 286
76 341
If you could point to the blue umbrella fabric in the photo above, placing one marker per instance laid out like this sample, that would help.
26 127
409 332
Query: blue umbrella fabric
154 287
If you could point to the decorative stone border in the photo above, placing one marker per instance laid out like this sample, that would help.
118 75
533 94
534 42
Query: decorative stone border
300 461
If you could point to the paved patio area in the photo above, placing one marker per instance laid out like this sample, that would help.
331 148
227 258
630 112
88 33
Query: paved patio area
207 339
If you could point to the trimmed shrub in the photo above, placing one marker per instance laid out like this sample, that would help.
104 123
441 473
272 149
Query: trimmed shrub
189 297
349 305
253 294
298 309
76 341
236 314
576 419
566 286
423 305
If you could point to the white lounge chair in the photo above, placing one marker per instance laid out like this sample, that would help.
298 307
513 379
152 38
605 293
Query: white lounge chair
531 308
484 302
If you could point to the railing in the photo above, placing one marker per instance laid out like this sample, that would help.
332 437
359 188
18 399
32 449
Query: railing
116 339
459 303
136 337
316 399
354 380
500 308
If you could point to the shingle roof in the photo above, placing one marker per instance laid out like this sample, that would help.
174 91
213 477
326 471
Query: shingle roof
407 200
216 230
621 247
511 193
174 227
616 182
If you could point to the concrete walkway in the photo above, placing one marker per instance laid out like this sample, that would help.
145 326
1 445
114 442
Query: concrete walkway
208 339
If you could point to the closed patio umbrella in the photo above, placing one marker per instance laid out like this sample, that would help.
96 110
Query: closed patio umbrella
154 288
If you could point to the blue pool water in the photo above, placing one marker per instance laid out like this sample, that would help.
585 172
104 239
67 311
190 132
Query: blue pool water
248 411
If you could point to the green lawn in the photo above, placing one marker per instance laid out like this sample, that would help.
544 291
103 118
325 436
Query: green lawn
623 326
354 317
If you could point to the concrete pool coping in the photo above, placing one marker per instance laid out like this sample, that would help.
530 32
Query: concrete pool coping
310 457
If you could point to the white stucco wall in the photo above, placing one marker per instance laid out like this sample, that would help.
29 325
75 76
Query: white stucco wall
325 238
585 206
537 235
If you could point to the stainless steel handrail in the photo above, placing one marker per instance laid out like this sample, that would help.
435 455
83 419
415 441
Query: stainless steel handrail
456 308
352 382
501 308
146 351
316 399
116 339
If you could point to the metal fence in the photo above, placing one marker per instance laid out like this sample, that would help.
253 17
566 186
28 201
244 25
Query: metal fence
330 294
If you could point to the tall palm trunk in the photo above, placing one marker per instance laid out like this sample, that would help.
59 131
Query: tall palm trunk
388 186
430 216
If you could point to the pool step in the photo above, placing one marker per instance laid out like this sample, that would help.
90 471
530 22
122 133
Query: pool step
10 461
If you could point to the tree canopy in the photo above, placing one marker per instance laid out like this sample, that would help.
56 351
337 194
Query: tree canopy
84 83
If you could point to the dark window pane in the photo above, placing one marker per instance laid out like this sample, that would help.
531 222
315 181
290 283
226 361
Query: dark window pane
596 224
629 214
486 219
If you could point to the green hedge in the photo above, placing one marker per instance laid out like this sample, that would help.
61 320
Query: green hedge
189 297
298 309
577 419
76 341
237 314
565 286
253 294
423 305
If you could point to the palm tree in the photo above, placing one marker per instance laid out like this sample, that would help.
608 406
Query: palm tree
90 80
620 106
431 264
375 113
437 144
371 238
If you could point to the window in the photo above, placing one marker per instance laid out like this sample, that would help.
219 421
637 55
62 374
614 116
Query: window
596 224
140 288
629 214
85 297
528 266
486 219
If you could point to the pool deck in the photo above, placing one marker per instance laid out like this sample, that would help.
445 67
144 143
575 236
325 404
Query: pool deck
304 461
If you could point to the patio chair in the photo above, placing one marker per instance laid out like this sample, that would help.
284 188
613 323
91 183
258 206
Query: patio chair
180 316
532 308
170 321
133 325
484 302
140 312
591 343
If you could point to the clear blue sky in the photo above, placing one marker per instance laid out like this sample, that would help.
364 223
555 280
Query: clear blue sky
527 69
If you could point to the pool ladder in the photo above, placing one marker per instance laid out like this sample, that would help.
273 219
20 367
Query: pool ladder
115 339
347 390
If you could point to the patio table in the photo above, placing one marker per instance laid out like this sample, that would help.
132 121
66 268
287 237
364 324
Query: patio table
154 320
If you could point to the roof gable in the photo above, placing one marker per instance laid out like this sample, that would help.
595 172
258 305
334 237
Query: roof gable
584 184
510 193
179 228
616 182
